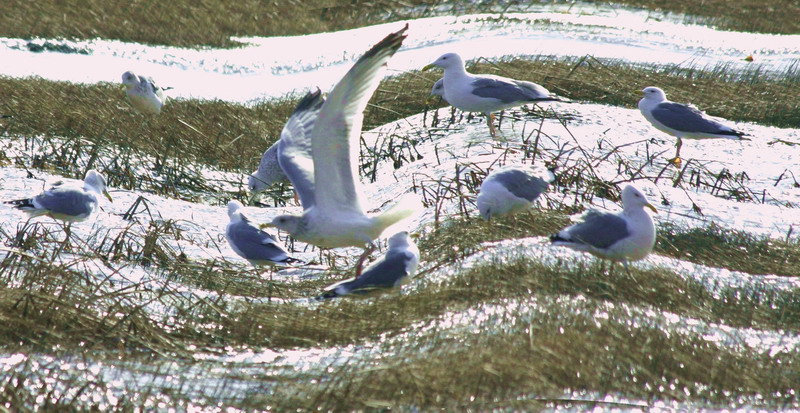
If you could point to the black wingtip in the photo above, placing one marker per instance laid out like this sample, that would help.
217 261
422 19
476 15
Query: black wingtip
311 101
327 295
391 42
292 260
21 203
556 238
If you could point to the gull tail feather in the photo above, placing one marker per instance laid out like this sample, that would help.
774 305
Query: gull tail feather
408 206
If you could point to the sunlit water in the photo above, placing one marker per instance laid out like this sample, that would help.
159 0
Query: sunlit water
273 67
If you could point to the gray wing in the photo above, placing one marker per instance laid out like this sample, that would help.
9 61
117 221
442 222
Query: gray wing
254 244
598 229
521 184
509 90
685 118
67 201
386 273
294 147
149 85
336 139
269 171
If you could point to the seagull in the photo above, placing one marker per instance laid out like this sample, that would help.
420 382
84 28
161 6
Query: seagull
256 246
511 189
268 172
682 121
251 243
318 151
625 236
438 88
145 96
392 270
485 93
66 203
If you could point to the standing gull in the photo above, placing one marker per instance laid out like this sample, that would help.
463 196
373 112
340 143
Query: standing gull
269 171
390 271
67 203
511 189
438 88
143 93
485 93
682 121
625 236
318 150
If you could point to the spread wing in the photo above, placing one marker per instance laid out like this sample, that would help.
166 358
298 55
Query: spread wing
294 147
335 140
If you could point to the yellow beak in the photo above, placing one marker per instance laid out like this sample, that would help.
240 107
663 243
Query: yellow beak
108 196
428 67
649 205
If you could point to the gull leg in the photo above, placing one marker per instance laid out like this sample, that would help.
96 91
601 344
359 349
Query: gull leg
270 285
677 159
68 234
363 257
490 122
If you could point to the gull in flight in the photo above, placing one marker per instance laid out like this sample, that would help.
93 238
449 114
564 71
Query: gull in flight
269 171
484 93
682 121
318 151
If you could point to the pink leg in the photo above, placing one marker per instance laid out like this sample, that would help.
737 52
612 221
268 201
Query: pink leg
363 258
490 122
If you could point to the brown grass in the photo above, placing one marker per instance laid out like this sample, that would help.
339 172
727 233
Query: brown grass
186 23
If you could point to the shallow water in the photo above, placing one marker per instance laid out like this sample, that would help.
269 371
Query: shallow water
273 67
237 372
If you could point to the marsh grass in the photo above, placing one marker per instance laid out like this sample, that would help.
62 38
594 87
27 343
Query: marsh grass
737 250
540 333
213 133
513 334
190 24
531 363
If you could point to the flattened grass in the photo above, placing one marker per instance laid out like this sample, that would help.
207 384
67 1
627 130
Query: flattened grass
511 333
533 359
